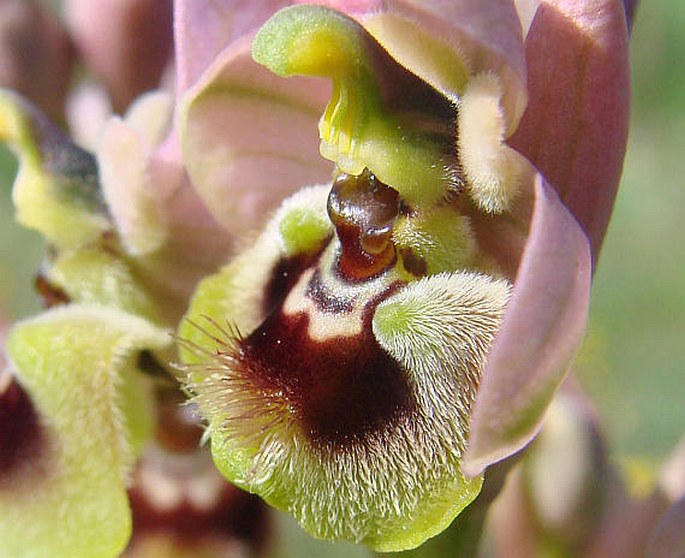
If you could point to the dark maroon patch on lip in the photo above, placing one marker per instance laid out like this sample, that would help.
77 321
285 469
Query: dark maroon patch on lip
20 429
340 390
283 278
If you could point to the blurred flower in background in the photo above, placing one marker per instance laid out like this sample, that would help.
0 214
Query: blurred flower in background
137 208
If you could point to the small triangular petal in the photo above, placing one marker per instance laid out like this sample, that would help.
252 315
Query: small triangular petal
123 156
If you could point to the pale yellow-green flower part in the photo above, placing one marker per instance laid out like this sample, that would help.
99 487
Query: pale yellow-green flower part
78 364
55 191
303 229
441 237
94 275
301 224
406 145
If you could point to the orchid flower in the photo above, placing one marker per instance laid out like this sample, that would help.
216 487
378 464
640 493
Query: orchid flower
405 198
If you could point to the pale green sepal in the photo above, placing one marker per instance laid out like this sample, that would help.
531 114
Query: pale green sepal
56 190
380 116
77 362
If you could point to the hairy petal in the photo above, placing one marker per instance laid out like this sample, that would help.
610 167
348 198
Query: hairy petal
123 157
541 332
576 124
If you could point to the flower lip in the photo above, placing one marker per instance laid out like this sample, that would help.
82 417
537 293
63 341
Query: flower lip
367 384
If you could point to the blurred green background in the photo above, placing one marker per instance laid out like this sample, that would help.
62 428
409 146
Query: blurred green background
633 362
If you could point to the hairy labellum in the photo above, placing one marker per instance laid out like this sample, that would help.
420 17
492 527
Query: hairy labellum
348 405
